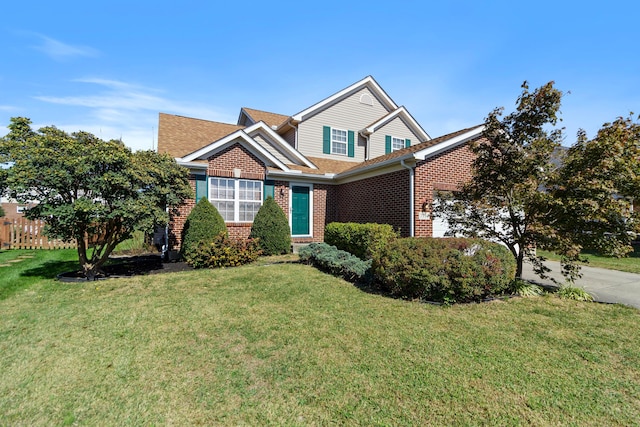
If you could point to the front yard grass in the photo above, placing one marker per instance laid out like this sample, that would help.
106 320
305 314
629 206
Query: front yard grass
284 344
630 263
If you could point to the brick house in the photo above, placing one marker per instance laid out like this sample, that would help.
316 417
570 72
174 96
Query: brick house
355 156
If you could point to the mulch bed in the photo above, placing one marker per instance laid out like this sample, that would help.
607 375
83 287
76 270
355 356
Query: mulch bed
129 266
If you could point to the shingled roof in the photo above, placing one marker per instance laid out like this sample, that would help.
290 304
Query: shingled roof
272 119
179 136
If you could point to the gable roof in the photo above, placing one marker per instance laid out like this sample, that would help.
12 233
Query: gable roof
179 135
405 116
368 82
271 119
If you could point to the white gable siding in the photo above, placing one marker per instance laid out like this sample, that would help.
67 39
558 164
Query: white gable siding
348 114
276 153
396 127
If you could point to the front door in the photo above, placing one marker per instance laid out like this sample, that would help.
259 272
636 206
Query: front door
299 211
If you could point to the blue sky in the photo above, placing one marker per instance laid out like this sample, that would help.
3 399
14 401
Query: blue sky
111 67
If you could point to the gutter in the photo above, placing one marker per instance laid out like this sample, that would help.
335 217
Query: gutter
412 177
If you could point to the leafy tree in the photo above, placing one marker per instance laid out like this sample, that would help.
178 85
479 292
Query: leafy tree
271 227
2 213
513 162
203 225
92 191
597 183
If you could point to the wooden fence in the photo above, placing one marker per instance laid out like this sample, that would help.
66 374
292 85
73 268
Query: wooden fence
21 233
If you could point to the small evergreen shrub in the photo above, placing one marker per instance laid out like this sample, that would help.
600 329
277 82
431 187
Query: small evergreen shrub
224 252
445 270
203 225
334 261
361 240
271 227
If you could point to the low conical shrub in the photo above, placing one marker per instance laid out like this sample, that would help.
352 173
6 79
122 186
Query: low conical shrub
272 228
203 225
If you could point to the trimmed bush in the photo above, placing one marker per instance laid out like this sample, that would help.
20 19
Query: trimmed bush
361 240
224 252
271 227
203 225
445 270
334 261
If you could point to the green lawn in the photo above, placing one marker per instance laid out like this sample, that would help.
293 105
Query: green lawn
284 344
630 264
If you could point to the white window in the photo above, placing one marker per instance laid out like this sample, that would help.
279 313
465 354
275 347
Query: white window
237 200
397 143
339 142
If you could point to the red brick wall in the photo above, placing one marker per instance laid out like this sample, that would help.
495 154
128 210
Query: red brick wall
382 199
445 171
223 165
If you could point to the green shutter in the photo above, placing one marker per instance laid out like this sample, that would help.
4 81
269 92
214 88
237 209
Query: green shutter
326 139
201 186
351 148
407 143
387 144
269 189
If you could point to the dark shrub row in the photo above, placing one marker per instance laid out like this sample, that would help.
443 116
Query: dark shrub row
447 270
361 240
224 252
335 261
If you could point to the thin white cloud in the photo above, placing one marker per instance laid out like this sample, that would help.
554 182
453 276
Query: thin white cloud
8 108
61 51
121 110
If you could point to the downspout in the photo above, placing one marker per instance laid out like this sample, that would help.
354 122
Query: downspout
411 197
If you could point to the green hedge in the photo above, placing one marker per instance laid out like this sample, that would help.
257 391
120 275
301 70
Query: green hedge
203 225
271 227
334 261
361 240
446 270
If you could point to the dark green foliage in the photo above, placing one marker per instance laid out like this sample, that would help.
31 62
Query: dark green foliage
203 225
224 252
271 227
1 212
361 240
447 270
334 261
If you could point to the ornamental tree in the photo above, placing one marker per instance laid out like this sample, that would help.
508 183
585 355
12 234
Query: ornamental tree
90 191
271 228
513 161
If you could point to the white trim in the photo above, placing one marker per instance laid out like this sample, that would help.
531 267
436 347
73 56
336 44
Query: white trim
401 112
236 196
397 139
368 82
191 165
450 143
346 141
311 213
281 142
257 149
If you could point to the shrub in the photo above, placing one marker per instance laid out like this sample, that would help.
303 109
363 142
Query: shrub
224 252
446 270
575 293
525 289
203 224
271 227
361 240
334 261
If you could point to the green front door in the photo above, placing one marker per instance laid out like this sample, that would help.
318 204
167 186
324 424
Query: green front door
299 210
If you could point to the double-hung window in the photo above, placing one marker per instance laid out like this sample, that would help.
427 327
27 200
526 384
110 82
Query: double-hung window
237 200
397 143
339 141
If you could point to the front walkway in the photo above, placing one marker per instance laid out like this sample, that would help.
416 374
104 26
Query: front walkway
605 285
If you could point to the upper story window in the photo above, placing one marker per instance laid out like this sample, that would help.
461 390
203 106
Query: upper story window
237 200
339 142
397 143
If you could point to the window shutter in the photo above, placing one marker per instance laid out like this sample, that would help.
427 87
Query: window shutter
269 189
326 139
387 144
201 187
407 143
351 146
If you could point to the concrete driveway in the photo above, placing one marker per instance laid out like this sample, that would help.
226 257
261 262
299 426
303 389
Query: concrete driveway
605 285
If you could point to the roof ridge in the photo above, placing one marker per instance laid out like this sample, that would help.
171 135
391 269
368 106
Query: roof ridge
203 120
